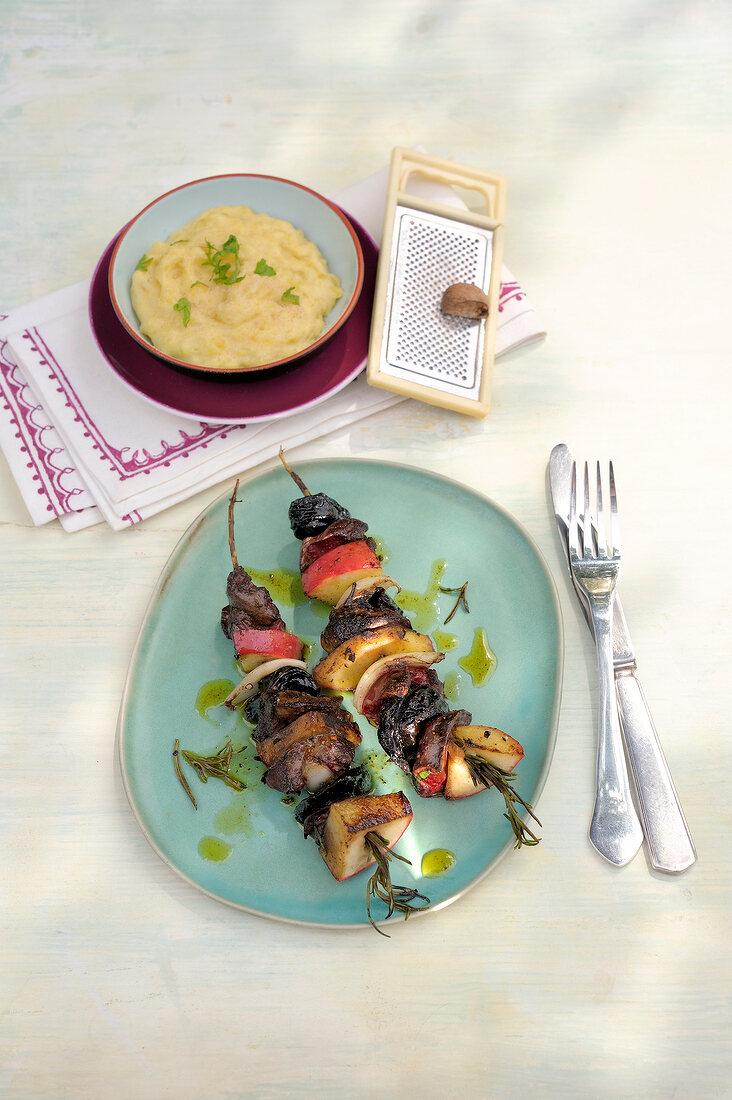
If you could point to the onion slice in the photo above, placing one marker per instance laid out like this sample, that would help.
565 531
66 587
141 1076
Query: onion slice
382 667
365 584
248 686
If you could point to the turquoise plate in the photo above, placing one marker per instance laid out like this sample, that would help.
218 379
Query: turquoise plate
245 848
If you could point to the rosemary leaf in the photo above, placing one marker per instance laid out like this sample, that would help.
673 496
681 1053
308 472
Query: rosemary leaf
484 772
399 898
460 600
214 767
179 773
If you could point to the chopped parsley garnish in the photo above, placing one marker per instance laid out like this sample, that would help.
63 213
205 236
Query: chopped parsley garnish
198 283
144 263
224 261
288 296
183 306
263 268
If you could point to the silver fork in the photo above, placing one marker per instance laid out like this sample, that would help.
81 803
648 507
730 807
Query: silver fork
615 830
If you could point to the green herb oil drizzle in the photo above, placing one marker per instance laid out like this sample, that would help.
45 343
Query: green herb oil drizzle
212 695
213 849
437 862
424 604
480 663
283 585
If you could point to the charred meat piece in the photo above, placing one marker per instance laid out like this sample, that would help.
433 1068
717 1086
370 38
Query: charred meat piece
278 708
394 677
310 763
429 770
400 721
365 611
336 534
250 605
292 679
311 514
289 678
312 811
309 725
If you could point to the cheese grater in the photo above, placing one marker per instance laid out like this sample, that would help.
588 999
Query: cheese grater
429 244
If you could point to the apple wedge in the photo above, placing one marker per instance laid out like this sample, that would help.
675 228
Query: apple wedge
334 572
343 836
254 647
343 667
491 744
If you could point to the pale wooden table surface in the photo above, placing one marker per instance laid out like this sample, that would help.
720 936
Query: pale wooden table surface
558 976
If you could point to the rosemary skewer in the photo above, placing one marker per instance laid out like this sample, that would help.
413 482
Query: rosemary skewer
232 544
482 771
399 898
295 477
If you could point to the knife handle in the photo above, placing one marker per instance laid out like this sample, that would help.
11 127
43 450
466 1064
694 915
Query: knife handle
667 835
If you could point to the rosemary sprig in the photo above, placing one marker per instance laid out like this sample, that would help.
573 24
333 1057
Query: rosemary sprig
460 600
399 898
484 772
214 767
206 767
179 772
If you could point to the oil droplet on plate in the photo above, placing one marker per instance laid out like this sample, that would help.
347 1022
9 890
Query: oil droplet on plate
283 585
234 818
423 604
382 552
212 695
213 849
437 862
452 685
480 663
444 641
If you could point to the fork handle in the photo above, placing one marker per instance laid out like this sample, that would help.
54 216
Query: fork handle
615 830
669 841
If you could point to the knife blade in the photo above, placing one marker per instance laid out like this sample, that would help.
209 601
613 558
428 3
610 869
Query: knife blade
670 846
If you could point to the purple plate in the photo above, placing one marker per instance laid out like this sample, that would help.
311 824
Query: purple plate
238 399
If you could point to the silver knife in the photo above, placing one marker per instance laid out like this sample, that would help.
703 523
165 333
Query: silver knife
670 846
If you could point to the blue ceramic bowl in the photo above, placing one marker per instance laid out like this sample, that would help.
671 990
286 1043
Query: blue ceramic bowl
321 221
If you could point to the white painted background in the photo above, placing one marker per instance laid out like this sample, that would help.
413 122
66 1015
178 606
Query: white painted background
558 976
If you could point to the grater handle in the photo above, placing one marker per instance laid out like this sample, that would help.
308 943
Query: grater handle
490 186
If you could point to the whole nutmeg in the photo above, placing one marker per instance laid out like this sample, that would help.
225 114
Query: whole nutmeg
465 300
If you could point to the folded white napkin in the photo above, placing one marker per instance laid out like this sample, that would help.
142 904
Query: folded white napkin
84 447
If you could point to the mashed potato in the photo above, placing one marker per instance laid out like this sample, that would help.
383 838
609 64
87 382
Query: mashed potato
233 289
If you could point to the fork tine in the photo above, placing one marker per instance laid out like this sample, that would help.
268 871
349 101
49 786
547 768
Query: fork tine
572 533
614 521
601 539
587 518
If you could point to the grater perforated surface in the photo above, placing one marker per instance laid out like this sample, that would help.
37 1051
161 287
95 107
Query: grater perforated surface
429 254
